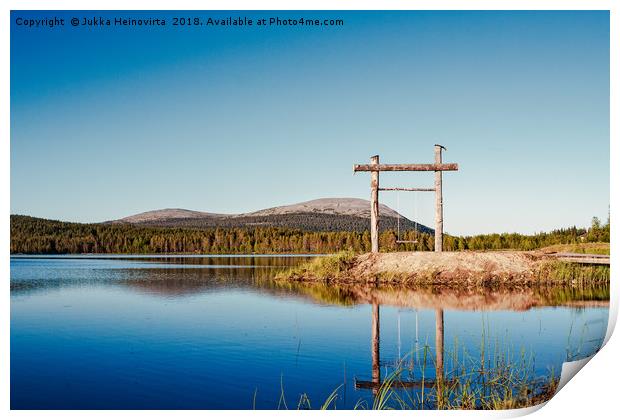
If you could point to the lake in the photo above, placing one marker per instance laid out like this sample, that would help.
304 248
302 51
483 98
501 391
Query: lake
216 332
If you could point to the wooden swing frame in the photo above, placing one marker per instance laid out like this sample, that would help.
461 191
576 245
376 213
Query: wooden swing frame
375 168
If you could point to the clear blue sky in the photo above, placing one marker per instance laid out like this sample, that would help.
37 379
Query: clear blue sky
110 122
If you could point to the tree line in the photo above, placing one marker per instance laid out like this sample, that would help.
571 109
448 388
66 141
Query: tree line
30 235
306 221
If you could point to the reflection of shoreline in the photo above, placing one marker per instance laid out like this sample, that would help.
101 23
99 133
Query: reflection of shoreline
184 279
480 298
163 282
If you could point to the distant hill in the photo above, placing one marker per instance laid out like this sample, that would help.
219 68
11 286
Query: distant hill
337 206
324 214
166 214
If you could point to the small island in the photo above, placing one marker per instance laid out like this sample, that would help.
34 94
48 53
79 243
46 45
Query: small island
458 268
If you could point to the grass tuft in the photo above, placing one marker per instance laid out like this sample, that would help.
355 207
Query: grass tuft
601 248
569 272
320 268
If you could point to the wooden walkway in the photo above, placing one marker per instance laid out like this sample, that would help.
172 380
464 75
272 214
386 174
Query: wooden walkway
597 259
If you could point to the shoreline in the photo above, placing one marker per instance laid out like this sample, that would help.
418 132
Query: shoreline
458 268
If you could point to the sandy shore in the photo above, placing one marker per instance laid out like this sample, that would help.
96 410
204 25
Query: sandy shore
449 265
431 267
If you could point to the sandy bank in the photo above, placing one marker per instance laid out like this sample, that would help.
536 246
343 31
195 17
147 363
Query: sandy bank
448 265
515 267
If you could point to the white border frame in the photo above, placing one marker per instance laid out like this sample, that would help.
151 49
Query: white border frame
593 394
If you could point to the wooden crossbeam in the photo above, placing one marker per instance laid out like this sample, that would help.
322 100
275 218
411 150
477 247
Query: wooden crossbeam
574 254
585 260
389 167
407 189
427 383
581 258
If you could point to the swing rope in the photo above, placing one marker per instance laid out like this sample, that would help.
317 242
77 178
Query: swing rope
415 216
398 218
415 211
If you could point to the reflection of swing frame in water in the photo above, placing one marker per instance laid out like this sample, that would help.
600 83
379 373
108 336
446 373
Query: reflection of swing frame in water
376 383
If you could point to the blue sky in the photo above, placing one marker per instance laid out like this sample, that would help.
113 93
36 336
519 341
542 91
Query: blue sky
110 122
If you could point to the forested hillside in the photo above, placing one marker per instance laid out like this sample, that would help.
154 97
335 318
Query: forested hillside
316 222
30 235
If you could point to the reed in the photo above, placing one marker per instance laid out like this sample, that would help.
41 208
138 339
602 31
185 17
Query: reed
320 268
495 380
601 248
567 272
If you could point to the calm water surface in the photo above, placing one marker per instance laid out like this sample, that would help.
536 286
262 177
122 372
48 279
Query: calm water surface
216 332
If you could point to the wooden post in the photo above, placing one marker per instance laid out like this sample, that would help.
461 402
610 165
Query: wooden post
438 203
376 366
439 372
439 344
374 206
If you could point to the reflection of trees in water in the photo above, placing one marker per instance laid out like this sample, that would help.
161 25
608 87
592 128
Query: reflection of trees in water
194 275
188 281
185 275
225 260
